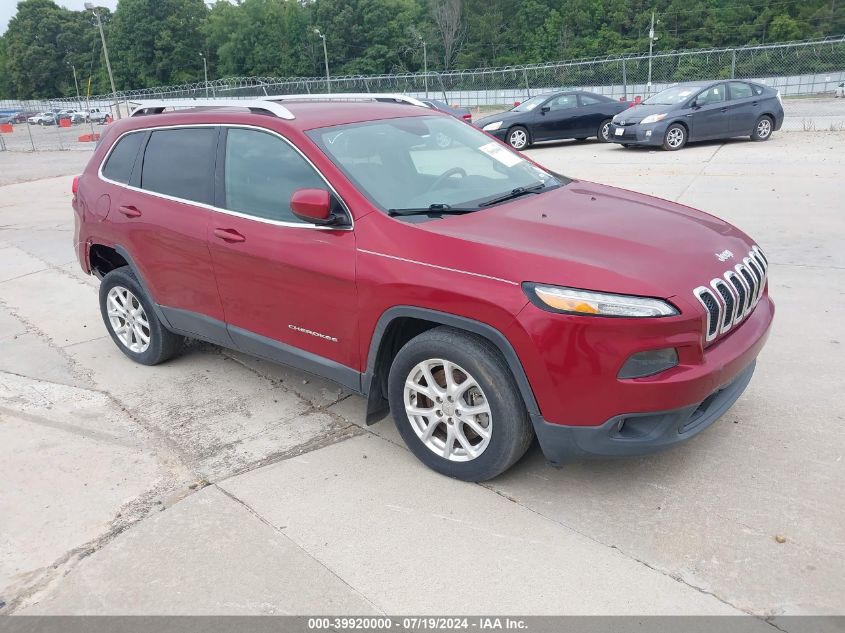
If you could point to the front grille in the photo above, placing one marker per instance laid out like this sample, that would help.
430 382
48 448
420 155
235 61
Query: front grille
727 300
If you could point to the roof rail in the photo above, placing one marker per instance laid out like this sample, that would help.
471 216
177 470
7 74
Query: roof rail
258 106
349 96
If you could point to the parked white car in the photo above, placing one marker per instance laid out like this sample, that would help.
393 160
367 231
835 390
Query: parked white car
97 115
40 118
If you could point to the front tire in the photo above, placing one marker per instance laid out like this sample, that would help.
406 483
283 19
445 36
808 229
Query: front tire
457 406
763 128
518 137
675 137
132 322
603 133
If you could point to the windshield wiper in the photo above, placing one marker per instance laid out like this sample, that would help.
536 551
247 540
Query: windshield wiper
433 209
514 193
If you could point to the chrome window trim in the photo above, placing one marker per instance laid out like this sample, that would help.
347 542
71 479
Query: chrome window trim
698 292
211 207
714 283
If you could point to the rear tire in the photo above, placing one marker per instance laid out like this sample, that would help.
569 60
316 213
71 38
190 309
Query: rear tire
675 137
518 138
603 134
439 421
132 322
763 128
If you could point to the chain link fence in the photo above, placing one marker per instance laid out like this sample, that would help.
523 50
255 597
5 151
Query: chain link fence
814 68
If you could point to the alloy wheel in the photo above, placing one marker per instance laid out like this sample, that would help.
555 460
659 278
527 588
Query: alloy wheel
128 319
675 137
448 410
605 131
518 139
764 128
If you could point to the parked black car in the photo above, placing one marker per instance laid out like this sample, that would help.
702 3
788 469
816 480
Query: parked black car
552 116
700 111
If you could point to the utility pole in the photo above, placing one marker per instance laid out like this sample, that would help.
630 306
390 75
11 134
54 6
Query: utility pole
425 65
93 9
651 39
326 57
205 73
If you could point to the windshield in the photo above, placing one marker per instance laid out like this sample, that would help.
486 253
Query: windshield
429 161
530 104
671 96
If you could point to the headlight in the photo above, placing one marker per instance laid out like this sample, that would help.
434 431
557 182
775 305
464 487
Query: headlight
652 118
584 302
492 127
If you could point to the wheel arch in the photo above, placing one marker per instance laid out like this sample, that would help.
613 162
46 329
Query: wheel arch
399 324
116 256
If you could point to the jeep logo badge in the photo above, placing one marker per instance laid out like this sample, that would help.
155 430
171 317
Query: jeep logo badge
724 256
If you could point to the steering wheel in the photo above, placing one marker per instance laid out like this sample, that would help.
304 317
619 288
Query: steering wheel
446 175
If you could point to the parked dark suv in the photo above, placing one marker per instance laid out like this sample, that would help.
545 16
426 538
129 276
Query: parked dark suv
479 297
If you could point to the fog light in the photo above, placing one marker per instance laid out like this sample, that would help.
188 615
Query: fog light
648 133
649 363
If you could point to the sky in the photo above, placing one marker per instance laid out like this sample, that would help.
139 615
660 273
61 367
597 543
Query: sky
9 7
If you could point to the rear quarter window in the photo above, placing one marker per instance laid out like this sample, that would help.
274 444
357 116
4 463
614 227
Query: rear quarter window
180 163
120 161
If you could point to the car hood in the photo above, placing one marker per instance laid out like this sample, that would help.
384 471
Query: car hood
592 236
502 116
637 113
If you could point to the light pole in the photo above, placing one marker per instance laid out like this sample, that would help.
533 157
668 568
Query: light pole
205 72
76 83
425 64
326 57
93 9
651 40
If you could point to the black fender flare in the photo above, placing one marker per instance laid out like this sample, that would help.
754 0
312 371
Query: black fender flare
375 401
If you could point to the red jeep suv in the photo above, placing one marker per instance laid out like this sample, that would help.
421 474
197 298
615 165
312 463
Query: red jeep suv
477 296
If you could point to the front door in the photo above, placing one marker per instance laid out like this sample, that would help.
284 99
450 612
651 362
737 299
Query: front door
287 287
557 118
710 118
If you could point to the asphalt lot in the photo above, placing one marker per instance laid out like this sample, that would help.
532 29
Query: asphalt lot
217 483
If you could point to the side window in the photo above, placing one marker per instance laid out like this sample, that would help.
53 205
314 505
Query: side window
563 102
262 171
716 94
119 164
740 90
589 100
180 163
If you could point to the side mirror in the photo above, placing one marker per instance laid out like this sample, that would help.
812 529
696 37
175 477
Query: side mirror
544 109
694 104
313 205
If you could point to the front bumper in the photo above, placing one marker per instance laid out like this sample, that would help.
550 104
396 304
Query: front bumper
638 134
638 433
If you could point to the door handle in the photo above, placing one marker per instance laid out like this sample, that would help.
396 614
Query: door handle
754 103
723 110
229 235
129 211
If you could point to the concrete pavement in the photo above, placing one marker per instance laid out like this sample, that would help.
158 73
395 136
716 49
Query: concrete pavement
217 483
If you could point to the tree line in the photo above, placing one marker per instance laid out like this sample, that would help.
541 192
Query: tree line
162 42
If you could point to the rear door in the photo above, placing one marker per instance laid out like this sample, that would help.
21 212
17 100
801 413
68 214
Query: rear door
557 118
593 111
287 286
709 116
743 107
162 217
